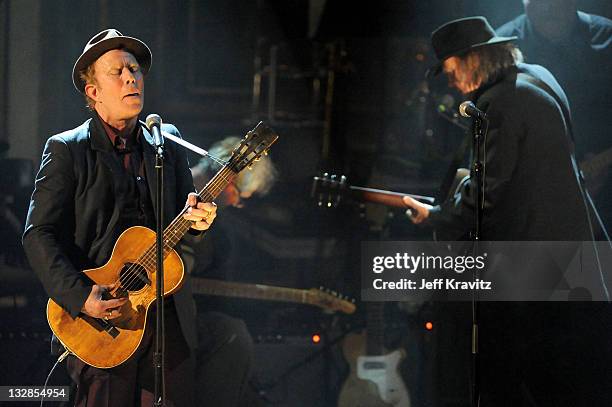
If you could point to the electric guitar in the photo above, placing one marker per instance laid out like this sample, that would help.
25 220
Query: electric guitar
329 301
595 170
374 379
131 272
330 191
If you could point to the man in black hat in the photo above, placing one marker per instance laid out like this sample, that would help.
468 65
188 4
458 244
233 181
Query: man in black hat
94 182
528 149
528 351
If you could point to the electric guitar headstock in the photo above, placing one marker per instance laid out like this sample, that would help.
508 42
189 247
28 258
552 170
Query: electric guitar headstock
330 300
329 190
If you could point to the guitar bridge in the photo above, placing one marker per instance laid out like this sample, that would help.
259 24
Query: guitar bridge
109 328
101 325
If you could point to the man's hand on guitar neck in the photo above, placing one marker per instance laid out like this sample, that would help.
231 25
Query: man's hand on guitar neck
97 307
202 214
417 211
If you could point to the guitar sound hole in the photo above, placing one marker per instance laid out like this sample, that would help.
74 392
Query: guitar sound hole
133 277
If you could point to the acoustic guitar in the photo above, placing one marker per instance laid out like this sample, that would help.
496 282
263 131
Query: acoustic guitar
131 272
329 301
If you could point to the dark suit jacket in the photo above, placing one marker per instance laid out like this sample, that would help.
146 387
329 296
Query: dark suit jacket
531 188
73 220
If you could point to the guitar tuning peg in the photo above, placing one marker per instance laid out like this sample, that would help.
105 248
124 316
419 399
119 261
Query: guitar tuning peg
335 294
258 158
250 167
266 152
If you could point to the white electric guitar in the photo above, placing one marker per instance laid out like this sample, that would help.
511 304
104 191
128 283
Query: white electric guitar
374 380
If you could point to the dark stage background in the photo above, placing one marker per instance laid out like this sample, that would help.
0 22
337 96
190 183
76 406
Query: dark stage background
342 82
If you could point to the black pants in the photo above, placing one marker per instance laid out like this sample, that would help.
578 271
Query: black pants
132 383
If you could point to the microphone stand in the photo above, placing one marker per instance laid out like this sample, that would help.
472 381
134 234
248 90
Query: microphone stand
159 354
153 124
477 175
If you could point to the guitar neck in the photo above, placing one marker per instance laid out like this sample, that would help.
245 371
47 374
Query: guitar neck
597 163
179 226
387 198
375 329
252 291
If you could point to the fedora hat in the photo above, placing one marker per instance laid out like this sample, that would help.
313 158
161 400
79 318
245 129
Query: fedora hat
105 41
460 36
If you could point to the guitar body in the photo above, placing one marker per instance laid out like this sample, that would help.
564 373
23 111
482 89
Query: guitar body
374 381
106 344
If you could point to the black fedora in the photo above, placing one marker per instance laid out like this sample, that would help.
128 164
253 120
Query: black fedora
105 41
460 36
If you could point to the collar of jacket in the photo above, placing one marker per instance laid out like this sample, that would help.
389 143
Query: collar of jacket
475 95
99 139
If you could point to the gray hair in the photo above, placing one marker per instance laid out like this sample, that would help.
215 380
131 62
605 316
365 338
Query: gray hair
494 61
258 180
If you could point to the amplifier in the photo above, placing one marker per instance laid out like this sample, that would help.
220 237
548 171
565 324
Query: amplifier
296 371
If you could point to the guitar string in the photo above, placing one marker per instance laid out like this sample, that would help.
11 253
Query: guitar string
149 258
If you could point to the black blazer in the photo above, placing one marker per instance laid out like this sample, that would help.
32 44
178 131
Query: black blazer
73 219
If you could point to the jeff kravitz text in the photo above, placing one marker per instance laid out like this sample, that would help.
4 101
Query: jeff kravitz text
435 284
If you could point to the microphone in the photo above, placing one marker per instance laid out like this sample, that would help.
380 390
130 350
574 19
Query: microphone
469 109
153 123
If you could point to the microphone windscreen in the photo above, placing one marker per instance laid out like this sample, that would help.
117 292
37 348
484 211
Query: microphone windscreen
463 108
153 120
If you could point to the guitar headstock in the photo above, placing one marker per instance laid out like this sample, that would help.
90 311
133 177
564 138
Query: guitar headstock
328 190
331 300
255 144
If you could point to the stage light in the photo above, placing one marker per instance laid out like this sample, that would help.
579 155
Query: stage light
429 325
316 338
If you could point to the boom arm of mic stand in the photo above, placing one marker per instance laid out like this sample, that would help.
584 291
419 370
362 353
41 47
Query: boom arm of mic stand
186 144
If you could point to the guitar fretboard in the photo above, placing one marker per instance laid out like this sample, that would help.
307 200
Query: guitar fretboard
375 329
597 163
245 290
179 226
